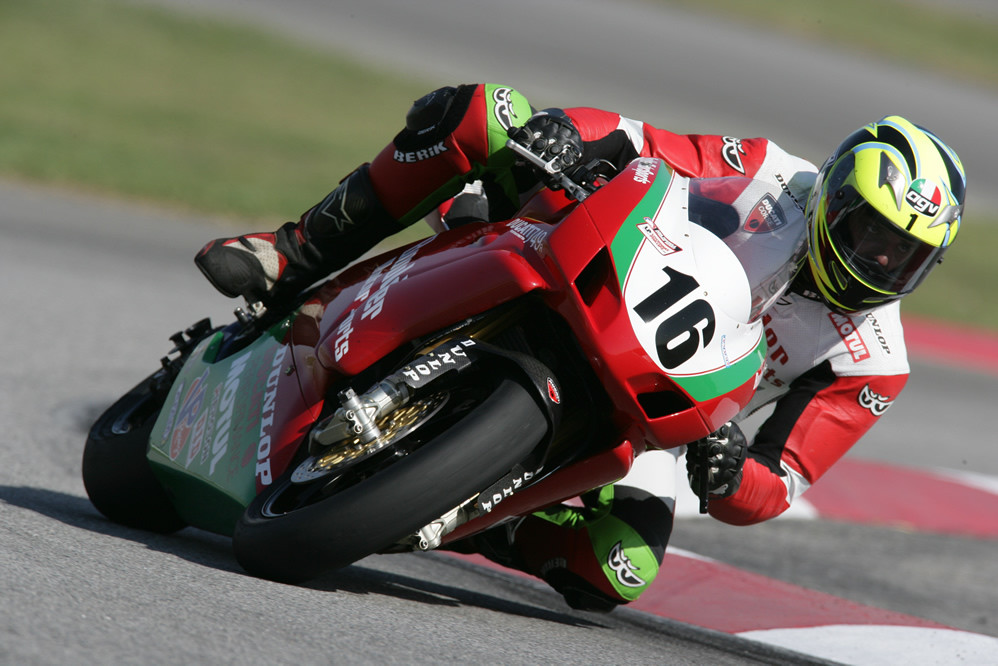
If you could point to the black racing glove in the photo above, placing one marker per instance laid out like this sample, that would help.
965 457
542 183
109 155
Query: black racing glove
724 454
551 136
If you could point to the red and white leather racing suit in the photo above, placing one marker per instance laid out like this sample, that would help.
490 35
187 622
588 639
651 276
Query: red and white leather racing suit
830 376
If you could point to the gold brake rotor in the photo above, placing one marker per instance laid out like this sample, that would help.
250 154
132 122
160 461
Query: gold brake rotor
393 426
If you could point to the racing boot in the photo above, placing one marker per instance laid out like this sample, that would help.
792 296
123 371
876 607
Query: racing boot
268 266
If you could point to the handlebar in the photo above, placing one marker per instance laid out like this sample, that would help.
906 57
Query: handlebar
552 175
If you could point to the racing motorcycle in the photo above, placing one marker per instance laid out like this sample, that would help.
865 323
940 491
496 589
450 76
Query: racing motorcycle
447 386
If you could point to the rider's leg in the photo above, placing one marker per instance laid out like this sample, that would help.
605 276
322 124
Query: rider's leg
349 221
604 553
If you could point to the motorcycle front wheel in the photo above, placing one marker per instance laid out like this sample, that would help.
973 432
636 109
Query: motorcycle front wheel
116 473
292 531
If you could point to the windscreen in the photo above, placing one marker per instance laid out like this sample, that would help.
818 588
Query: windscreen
763 227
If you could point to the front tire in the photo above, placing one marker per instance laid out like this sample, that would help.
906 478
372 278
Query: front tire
371 512
116 473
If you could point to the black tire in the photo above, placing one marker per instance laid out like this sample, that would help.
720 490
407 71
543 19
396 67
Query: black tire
375 512
116 473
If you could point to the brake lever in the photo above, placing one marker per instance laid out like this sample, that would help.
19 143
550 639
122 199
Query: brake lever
573 189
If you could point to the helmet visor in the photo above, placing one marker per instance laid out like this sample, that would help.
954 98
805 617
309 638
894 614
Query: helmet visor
877 251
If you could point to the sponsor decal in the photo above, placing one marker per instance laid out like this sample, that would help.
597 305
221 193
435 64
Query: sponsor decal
623 567
732 152
505 487
334 207
786 190
263 473
663 245
873 401
419 155
553 393
553 563
766 216
342 343
197 437
226 406
924 197
172 415
529 233
197 444
644 171
503 107
395 273
879 332
846 329
434 364
186 417
778 353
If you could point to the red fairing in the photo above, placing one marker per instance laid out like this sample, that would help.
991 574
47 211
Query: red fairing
605 467
835 419
410 293
605 332
286 410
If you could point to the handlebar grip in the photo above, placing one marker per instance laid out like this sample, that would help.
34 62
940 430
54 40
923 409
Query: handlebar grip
557 176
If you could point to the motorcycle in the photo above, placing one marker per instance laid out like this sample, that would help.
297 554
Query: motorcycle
447 386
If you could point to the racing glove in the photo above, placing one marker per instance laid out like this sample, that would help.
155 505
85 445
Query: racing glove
723 455
550 135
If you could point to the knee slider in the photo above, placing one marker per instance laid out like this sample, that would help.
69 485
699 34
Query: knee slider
434 116
427 111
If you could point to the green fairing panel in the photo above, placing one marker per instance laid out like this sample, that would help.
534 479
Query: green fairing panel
203 445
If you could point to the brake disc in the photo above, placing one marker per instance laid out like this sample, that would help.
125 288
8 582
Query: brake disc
393 426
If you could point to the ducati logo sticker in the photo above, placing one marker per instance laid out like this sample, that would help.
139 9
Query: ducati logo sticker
732 152
873 401
623 567
766 216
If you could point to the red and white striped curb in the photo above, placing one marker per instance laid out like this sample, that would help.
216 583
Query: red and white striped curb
770 611
969 348
784 615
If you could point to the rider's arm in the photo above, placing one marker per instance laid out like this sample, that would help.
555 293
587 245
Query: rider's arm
812 426
613 137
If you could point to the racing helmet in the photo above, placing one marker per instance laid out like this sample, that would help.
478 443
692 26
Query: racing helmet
884 208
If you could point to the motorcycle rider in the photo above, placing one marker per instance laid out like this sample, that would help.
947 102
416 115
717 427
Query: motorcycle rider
882 210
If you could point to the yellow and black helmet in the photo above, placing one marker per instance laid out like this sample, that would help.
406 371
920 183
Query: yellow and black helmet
884 208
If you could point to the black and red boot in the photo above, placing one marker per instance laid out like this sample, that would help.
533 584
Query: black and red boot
262 266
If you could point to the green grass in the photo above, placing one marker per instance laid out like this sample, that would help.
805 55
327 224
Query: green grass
144 104
961 290
961 44
136 101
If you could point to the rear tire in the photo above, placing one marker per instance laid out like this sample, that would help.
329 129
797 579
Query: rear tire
351 519
116 473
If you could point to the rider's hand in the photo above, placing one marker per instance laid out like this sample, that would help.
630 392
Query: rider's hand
724 452
551 136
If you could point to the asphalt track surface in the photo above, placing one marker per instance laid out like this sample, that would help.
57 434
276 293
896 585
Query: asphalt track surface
92 289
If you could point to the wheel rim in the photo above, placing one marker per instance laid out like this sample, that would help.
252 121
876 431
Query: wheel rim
394 426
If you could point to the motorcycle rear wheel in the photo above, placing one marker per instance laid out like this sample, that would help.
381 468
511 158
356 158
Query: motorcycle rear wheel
369 513
116 473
